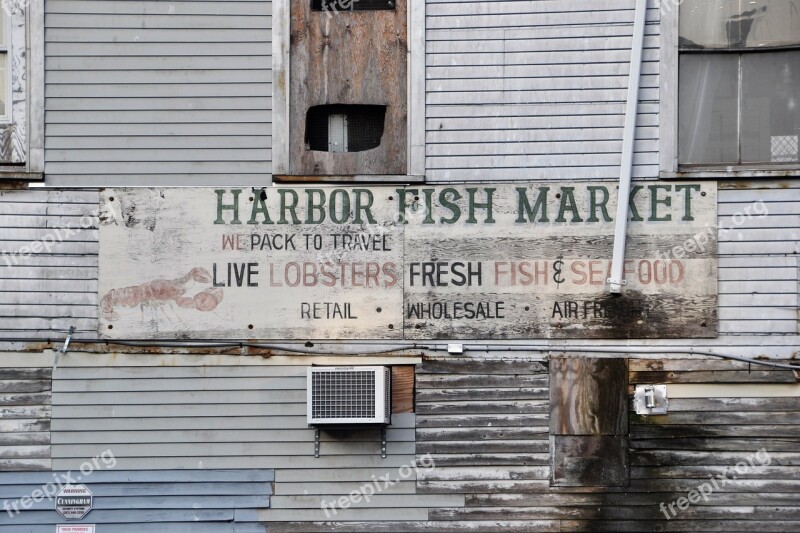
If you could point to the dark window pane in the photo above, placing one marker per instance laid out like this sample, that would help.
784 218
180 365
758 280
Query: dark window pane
770 22
708 116
739 23
770 107
704 23
344 128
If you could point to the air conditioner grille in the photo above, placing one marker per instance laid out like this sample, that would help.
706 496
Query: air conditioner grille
343 394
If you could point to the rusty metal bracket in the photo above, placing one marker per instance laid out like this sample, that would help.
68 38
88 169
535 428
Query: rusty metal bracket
64 348
383 442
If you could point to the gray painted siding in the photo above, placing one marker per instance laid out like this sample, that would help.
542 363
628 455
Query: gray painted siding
230 416
178 501
44 292
535 90
157 93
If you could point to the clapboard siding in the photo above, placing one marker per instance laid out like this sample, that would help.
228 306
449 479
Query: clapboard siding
45 292
24 419
231 416
758 269
496 454
152 93
155 500
536 90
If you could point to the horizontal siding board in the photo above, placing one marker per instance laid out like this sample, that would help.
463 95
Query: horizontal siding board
199 427
105 35
197 69
157 90
154 7
163 141
550 59
212 21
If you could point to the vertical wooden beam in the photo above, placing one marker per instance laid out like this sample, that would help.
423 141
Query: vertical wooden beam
589 422
588 396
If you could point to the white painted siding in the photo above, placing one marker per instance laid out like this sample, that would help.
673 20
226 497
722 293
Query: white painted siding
535 90
48 263
158 93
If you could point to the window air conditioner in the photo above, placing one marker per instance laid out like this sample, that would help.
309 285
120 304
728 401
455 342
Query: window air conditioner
349 395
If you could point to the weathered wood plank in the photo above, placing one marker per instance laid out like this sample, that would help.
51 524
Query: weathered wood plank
481 433
403 389
481 367
444 421
588 396
449 395
699 376
589 460
429 381
482 407
501 526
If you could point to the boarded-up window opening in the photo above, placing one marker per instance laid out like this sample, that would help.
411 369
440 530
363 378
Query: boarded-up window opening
589 422
335 6
344 128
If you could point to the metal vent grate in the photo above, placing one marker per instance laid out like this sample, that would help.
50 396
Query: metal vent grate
343 394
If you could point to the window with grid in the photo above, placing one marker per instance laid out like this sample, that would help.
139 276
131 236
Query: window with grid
739 83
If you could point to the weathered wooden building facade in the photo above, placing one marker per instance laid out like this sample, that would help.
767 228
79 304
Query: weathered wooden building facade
199 200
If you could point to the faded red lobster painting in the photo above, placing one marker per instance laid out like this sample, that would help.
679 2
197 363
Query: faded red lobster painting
161 294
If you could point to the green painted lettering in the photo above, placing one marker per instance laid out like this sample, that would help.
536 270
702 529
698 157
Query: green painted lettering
364 206
687 199
259 207
450 204
524 205
222 207
594 204
471 191
655 202
568 204
632 204
313 206
290 207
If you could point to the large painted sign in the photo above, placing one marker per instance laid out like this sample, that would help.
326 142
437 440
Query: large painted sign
499 261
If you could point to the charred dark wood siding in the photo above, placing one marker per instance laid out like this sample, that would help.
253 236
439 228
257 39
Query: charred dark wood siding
485 423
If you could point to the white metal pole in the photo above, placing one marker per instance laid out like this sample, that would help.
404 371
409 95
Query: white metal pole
618 260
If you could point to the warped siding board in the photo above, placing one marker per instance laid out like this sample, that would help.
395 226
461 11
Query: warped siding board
165 500
190 81
25 399
531 68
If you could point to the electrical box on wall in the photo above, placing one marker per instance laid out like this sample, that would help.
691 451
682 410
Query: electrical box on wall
650 400
348 85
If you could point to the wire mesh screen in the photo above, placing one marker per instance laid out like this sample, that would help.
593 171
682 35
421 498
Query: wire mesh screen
334 6
365 124
343 394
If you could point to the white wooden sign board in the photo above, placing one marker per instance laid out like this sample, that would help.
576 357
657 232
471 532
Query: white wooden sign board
74 528
482 261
